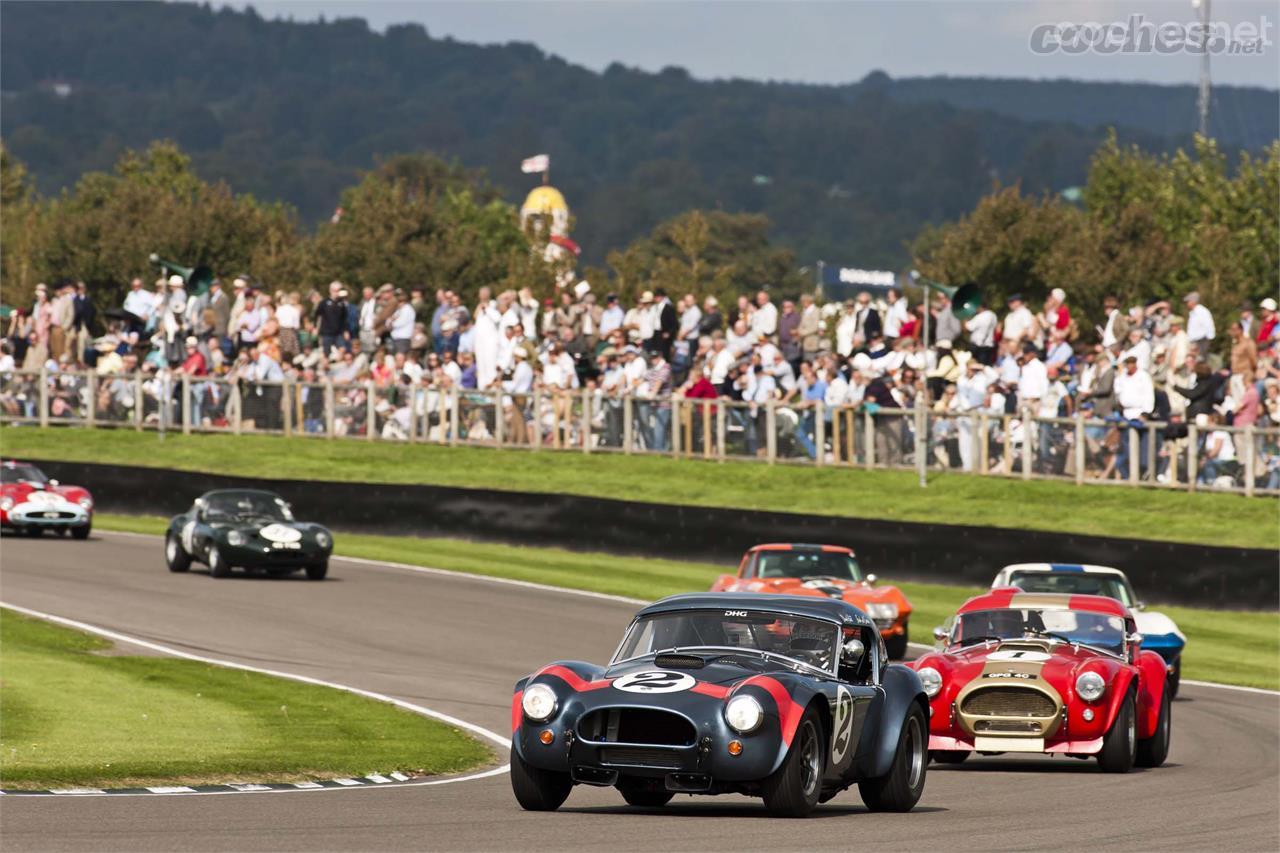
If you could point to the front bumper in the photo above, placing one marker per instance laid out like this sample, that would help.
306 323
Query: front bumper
265 555
67 515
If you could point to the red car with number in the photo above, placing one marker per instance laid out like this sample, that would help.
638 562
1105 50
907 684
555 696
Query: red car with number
830 571
31 503
1046 673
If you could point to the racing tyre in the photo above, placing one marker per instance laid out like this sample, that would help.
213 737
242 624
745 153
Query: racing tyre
35 532
949 756
537 790
174 557
1154 750
317 571
218 567
82 532
900 789
896 646
1119 747
645 798
1171 683
793 789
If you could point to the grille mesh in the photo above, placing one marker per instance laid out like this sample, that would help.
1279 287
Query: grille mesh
639 757
1009 702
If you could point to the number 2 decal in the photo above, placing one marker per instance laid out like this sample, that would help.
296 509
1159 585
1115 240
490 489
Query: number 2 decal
189 537
842 725
654 681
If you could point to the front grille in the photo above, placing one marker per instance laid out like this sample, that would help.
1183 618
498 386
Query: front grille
637 725
1009 702
619 756
1007 726
50 515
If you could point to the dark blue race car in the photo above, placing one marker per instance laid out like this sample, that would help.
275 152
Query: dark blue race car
787 698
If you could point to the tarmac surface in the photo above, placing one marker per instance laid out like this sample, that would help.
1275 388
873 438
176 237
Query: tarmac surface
456 644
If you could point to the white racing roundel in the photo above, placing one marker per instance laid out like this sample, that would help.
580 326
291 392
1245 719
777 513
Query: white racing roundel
654 681
279 533
1025 655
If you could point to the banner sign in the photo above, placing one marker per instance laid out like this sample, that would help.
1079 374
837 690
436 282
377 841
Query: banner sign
536 163
853 275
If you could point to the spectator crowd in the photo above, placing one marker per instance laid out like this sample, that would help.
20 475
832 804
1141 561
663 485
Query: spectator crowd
1149 370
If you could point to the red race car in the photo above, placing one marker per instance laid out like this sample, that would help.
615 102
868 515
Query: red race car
1046 673
31 503
828 571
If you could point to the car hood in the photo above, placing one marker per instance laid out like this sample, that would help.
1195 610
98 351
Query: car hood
857 593
723 669
28 493
1056 663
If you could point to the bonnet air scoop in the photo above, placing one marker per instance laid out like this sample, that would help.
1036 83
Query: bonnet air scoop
680 661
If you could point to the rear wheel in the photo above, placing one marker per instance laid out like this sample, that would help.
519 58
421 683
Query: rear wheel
538 790
174 557
949 756
317 571
82 532
1120 745
896 645
645 798
218 566
1154 750
793 789
900 789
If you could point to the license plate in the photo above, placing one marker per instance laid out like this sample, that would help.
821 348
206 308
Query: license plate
1008 744
49 514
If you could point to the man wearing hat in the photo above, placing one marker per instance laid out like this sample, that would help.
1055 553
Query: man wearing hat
1267 322
1200 327
972 399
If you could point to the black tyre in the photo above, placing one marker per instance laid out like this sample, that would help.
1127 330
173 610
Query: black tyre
1119 747
1154 750
896 646
174 557
900 789
35 532
793 789
218 566
949 756
538 790
645 798
82 532
317 571
1175 677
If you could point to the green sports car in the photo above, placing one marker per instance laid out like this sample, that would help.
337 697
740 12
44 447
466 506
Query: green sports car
249 529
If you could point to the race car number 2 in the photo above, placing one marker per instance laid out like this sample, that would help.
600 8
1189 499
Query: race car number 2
654 681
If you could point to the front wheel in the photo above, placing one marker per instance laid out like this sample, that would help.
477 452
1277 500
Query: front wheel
1154 750
82 532
218 566
793 789
900 789
1119 747
538 790
174 557
896 645
317 571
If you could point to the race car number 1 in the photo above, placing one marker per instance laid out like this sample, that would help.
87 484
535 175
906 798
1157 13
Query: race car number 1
654 681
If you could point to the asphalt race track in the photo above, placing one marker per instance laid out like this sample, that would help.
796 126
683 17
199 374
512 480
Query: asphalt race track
456 645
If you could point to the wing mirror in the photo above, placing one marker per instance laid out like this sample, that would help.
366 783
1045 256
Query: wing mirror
851 652
871 580
1134 639
941 634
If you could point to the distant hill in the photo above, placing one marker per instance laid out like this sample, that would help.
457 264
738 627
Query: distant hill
294 111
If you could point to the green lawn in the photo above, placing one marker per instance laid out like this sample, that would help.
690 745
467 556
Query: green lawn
1217 519
72 716
1230 647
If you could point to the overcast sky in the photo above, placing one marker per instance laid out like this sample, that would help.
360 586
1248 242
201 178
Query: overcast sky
819 42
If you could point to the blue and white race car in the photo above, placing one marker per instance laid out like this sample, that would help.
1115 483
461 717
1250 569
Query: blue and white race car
1159 633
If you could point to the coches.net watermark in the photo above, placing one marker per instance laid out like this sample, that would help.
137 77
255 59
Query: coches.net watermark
1137 35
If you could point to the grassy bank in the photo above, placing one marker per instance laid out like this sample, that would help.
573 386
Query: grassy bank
1216 519
74 716
1224 646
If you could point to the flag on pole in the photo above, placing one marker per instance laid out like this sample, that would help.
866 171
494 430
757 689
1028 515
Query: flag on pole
537 163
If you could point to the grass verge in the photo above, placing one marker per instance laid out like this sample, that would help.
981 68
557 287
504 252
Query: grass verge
73 716
1229 647
1216 519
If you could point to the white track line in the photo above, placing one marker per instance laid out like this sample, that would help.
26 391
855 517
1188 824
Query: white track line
564 590
500 740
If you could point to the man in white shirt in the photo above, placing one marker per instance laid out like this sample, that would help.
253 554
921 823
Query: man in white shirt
521 381
845 329
722 359
971 400
612 316
138 302
765 320
1135 393
1033 379
1139 348
1200 328
401 323
1019 323
896 315
982 335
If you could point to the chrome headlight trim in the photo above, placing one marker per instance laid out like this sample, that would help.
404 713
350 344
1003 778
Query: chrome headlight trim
1090 686
743 714
86 503
930 680
538 702
236 538
323 539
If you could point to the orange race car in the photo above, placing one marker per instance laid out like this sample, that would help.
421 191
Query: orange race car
823 570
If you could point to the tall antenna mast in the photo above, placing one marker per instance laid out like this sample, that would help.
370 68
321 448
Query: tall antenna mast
1202 102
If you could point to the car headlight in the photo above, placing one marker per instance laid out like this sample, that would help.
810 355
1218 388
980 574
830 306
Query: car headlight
324 540
882 611
743 714
1089 686
86 502
6 504
930 680
235 537
538 702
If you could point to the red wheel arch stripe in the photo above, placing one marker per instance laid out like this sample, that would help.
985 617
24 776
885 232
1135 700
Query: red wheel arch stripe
789 710
517 711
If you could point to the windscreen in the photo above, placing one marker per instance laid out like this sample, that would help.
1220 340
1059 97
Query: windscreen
22 474
809 641
1072 583
807 564
244 505
1099 630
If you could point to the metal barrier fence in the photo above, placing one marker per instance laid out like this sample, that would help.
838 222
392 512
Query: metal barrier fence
1134 453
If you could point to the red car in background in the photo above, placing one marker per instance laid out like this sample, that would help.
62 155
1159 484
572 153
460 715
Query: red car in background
828 571
31 503
1046 673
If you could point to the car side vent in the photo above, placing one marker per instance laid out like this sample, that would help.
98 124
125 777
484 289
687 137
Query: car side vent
680 661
